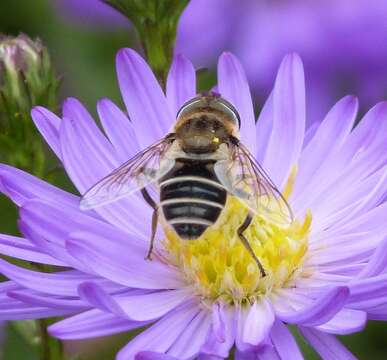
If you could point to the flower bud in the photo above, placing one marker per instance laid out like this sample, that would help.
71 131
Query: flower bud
27 79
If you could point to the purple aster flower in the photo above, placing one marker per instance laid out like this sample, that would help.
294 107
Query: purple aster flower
325 270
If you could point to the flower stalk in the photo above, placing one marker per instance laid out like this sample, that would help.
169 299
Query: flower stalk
27 79
156 24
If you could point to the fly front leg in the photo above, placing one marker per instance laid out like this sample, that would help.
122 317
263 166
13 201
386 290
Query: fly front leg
246 243
155 218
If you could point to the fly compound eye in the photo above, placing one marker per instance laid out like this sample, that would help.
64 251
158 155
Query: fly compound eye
227 108
210 102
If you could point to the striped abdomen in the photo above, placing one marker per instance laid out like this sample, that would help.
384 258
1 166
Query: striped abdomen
191 197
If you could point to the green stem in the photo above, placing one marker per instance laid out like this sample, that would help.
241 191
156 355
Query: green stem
44 341
156 23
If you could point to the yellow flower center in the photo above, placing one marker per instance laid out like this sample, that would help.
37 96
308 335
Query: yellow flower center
218 266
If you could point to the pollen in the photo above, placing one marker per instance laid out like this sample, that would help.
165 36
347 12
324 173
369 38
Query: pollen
218 267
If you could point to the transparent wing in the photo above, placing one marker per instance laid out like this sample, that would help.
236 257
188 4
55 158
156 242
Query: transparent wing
144 168
243 177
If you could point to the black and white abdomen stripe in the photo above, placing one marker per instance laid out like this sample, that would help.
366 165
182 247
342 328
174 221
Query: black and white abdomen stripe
191 197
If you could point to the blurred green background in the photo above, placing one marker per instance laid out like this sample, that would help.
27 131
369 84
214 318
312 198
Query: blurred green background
84 58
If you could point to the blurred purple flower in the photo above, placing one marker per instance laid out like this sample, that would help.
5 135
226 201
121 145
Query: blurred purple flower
90 12
342 43
327 276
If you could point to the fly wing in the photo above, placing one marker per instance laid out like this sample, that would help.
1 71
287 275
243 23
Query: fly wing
244 178
144 168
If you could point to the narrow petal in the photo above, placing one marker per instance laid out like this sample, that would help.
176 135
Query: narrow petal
330 134
284 342
287 135
258 323
143 97
90 324
327 346
22 249
220 348
153 305
118 128
61 283
97 297
192 339
233 86
162 335
362 154
377 263
264 128
20 311
21 186
53 302
85 169
47 227
321 311
89 132
48 125
181 83
112 262
218 323
310 133
368 292
350 203
346 321
151 355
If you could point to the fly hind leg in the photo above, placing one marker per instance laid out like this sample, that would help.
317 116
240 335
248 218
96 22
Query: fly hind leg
246 243
155 218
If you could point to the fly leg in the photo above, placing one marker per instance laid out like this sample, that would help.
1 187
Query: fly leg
246 243
155 218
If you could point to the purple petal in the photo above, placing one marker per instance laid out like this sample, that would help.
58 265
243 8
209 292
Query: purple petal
215 347
284 342
110 260
371 129
20 311
377 263
85 169
22 249
369 292
92 323
21 186
330 135
89 132
143 97
97 297
350 202
233 86
189 343
181 83
346 321
327 346
118 128
369 221
48 124
361 155
310 133
264 128
61 283
151 355
153 305
47 227
258 323
162 335
32 298
218 323
321 311
287 135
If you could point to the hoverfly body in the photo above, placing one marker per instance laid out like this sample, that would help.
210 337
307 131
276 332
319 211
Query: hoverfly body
195 168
